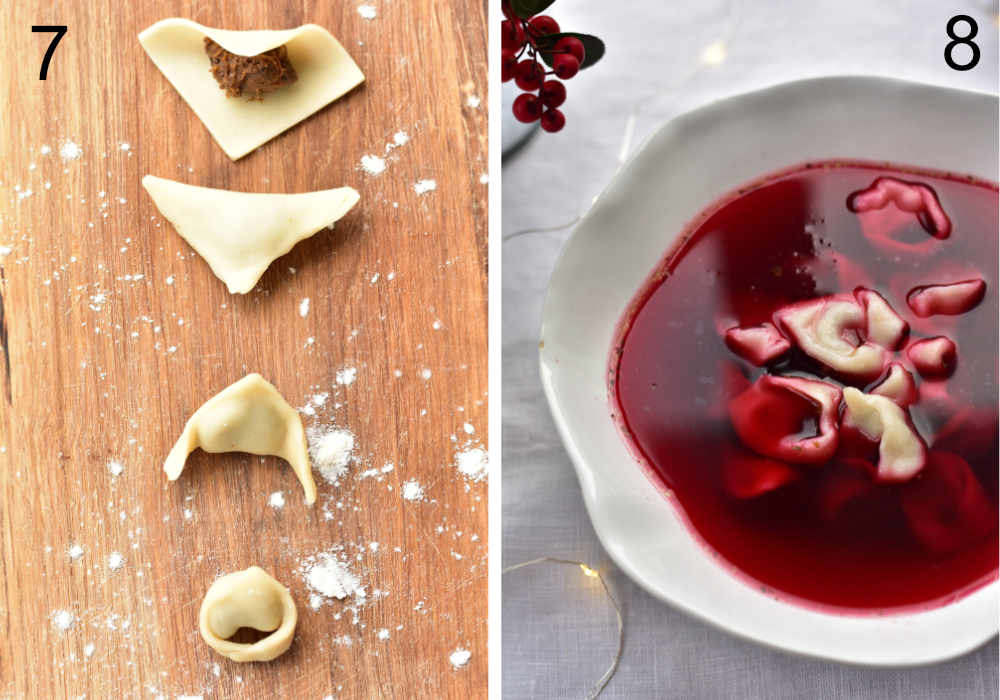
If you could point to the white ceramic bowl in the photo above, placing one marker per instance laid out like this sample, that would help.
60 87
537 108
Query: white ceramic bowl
687 165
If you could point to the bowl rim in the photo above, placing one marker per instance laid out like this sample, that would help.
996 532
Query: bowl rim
981 601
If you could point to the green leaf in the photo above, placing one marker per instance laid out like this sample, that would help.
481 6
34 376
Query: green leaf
593 47
529 8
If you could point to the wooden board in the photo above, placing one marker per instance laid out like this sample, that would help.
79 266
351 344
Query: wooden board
107 358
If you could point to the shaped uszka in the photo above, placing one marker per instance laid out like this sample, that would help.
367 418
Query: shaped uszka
768 417
241 233
325 72
902 453
248 416
821 328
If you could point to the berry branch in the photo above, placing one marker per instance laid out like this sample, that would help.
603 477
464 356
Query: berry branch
530 42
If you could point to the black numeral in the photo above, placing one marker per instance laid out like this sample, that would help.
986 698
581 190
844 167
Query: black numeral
60 31
957 40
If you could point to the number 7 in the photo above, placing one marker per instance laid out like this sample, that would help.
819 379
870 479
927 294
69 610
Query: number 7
60 30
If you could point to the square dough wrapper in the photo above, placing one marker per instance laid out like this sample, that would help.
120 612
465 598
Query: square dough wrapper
325 72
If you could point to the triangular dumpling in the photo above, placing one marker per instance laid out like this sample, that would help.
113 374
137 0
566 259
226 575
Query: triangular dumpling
248 416
325 72
240 233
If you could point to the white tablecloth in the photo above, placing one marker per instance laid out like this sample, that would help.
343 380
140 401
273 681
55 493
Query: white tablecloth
558 630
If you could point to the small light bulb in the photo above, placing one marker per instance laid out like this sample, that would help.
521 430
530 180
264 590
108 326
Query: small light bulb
714 53
588 571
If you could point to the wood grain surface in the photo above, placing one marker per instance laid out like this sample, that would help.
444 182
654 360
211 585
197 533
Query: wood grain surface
115 331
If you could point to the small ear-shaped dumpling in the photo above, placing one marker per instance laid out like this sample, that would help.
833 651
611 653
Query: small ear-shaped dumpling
248 416
250 598
323 69
241 233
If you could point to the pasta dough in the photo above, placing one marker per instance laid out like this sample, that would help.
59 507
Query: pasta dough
239 234
324 68
248 416
250 598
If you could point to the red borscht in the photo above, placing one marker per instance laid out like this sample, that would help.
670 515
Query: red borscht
812 374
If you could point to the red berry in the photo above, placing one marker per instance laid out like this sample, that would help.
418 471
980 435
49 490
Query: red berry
572 46
543 24
529 75
527 108
565 65
511 35
553 120
553 93
508 65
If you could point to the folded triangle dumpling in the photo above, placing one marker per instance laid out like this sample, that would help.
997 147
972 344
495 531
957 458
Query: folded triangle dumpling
240 233
248 416
325 72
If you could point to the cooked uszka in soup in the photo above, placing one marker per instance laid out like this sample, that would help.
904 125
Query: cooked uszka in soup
811 374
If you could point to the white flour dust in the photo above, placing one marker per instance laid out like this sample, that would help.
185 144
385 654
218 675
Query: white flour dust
69 150
373 165
425 186
367 11
63 619
332 451
277 500
459 658
347 375
413 491
329 577
116 561
304 307
473 463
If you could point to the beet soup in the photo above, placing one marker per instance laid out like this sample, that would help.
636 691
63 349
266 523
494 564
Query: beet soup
812 373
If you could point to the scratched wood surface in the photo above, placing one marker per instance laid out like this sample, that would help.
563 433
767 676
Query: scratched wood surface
112 331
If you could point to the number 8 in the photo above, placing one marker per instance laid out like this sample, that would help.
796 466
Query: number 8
957 40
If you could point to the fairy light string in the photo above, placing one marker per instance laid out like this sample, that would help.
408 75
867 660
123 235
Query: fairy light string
588 572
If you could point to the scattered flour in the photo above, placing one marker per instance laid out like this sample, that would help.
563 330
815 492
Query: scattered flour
473 102
5 250
304 307
400 138
373 165
425 374
75 552
277 500
469 428
347 375
69 150
473 463
330 578
413 491
460 657
88 650
424 186
383 634
115 467
63 619
332 451
116 561
45 150
367 11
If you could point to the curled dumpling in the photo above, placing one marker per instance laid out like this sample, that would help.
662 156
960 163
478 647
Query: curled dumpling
249 598
323 68
239 234
248 416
